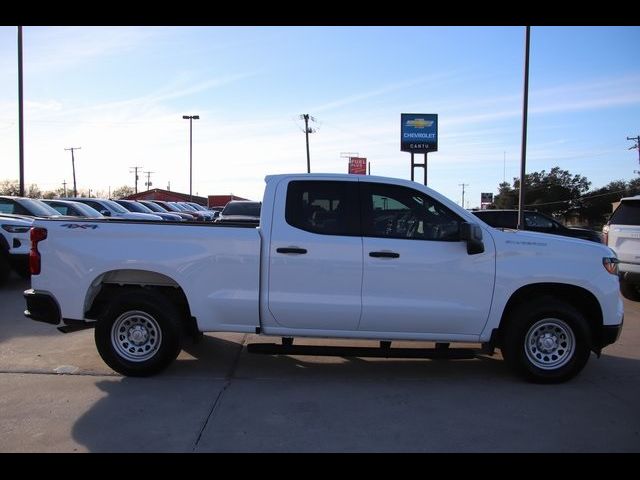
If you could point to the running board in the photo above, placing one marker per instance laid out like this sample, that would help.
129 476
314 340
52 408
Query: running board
384 352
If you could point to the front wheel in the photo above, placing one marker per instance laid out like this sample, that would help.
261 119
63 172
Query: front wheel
139 334
546 341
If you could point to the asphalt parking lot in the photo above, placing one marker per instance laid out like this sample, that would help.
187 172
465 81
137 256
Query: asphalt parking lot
56 395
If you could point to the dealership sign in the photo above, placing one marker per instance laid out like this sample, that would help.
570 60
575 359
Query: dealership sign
419 132
358 165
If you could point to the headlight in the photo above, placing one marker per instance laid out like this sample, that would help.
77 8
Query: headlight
611 265
15 229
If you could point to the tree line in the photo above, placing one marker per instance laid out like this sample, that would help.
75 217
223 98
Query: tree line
562 194
12 187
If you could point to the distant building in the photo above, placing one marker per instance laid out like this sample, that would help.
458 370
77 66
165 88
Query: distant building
166 196
221 200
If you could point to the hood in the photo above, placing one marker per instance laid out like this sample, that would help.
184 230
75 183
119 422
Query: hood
523 240
16 220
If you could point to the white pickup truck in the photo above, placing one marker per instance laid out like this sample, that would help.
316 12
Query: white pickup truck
334 256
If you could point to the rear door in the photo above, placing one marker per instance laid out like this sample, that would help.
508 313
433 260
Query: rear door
315 256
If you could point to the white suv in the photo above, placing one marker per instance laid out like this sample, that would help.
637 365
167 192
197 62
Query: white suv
622 234
14 245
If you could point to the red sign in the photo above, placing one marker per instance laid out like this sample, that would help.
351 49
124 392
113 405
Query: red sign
358 165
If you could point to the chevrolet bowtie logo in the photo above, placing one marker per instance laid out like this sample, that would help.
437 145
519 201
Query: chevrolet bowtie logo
419 123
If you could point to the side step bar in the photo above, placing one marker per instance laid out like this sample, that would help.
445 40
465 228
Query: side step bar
383 351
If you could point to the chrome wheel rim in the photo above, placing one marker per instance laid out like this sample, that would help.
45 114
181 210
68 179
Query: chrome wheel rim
136 336
550 343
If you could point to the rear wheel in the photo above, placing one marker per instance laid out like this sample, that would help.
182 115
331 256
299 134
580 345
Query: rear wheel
629 290
546 341
139 334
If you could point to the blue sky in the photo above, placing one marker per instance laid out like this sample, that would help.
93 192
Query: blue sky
120 93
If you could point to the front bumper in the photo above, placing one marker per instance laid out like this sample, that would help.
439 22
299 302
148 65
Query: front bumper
42 307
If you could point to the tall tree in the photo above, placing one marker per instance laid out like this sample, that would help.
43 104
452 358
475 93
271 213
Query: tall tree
123 191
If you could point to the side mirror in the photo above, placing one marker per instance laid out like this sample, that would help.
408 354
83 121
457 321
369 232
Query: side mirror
105 212
472 234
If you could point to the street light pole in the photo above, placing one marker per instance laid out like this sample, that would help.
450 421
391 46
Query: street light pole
191 118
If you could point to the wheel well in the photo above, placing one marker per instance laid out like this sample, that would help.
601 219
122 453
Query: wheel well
110 284
579 298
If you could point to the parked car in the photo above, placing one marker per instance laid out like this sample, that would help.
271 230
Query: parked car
14 245
208 215
240 211
190 217
536 222
74 209
26 206
109 208
155 208
134 206
622 235
199 216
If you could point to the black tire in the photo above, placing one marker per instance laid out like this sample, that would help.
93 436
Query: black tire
546 341
5 268
145 317
629 290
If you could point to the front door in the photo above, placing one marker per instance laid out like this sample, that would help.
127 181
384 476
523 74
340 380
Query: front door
418 276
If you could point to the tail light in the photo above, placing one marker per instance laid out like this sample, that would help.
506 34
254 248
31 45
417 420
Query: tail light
611 265
605 234
37 235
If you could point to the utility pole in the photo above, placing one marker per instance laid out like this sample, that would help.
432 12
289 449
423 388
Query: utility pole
463 185
148 182
135 169
636 146
73 165
525 108
306 117
64 185
20 113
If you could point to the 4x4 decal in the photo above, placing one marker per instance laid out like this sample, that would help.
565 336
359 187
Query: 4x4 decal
79 225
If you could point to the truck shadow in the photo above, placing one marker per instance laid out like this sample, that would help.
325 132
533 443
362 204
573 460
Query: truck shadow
218 381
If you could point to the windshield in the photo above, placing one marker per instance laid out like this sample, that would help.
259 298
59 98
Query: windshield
251 209
36 207
135 207
154 207
86 209
114 207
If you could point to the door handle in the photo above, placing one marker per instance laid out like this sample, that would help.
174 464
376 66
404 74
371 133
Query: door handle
299 251
384 254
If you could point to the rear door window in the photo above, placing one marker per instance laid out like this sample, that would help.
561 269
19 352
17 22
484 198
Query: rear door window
327 208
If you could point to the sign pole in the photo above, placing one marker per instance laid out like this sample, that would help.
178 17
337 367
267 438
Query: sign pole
412 166
425 169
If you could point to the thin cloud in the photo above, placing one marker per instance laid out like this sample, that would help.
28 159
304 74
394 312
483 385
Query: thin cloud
379 91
